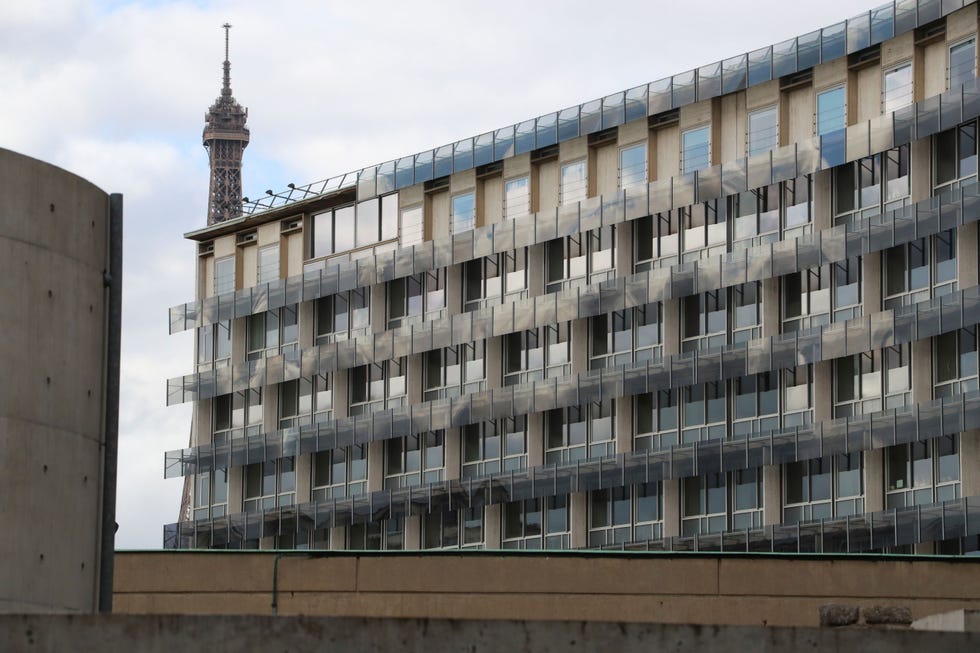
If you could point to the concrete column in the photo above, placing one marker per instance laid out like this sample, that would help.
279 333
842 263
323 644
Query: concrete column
454 289
970 463
966 256
453 454
413 533
823 200
238 329
306 316
579 519
823 391
580 345
494 365
672 327
270 408
376 466
624 424
304 478
874 480
536 261
340 390
770 307
672 507
236 489
491 526
202 423
920 169
535 439
772 495
379 309
871 283
416 364
624 249
922 370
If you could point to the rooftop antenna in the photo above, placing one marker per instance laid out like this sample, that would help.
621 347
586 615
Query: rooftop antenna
226 88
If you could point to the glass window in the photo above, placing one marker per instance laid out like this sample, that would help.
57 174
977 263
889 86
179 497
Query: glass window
268 264
821 295
655 420
340 472
211 494
412 228
625 514
457 529
956 156
581 259
237 415
377 386
454 371
580 432
269 485
872 381
823 488
696 149
920 269
871 185
213 345
922 472
717 502
624 337
633 166
955 362
305 401
962 62
224 275
896 89
537 354
517 197
494 447
414 460
343 316
763 130
464 213
416 298
574 186
272 332
494 279
831 110
536 523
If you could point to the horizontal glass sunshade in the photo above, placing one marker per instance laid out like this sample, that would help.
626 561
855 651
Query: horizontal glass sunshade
882 133
722 77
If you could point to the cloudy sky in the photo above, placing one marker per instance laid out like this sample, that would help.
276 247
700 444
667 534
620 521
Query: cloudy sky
116 92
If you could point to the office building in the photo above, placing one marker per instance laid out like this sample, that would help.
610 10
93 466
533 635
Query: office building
733 309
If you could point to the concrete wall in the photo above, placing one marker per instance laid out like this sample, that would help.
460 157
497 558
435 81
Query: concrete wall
701 589
53 257
167 633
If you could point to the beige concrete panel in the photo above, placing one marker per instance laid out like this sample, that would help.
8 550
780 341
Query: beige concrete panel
293 245
578 519
494 362
961 24
966 260
416 365
535 439
409 197
454 289
379 309
871 282
461 182
920 167
205 277
607 169
437 215
772 495
267 234
633 132
304 478
238 328
194 603
969 469
672 326
874 480
536 269
672 507
580 345
922 370
574 149
823 390
822 200
164 571
307 332
559 574
770 307
867 99
491 526
453 452
933 80
248 262
270 408
320 574
830 73
624 249
730 143
235 490
900 48
201 423
624 424
225 246
695 115
340 390
544 186
667 157
517 166
413 533
762 95
491 192
376 466
799 114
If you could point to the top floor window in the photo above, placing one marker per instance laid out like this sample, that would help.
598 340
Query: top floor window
463 213
962 62
897 87
339 230
412 228
268 266
696 149
224 275
574 185
517 197
763 132
831 110
633 166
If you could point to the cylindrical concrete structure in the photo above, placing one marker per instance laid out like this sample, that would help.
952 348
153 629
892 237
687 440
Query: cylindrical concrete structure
55 386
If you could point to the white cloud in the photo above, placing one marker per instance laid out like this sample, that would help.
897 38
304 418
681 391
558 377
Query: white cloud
117 91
